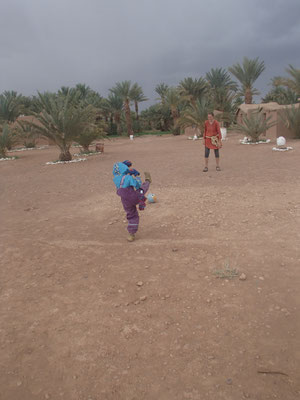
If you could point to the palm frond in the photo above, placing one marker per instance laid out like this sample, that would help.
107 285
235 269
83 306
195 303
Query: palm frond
63 118
194 115
247 74
192 89
291 118
7 139
255 124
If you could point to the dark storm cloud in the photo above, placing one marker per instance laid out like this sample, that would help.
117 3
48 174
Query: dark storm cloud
49 43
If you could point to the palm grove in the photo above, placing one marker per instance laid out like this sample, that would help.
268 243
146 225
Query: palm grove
82 115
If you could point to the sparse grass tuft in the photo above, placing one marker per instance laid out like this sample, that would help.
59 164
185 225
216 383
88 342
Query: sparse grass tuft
226 272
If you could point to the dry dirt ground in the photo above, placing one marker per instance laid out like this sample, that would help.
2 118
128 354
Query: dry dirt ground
76 325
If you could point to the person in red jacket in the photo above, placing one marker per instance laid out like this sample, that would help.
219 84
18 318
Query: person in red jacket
212 140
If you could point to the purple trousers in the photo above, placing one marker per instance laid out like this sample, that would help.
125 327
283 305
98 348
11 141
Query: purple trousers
130 198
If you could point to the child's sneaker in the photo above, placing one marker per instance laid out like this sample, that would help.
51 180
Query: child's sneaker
148 177
131 237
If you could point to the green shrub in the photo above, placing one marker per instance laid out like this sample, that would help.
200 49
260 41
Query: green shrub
7 140
254 125
291 119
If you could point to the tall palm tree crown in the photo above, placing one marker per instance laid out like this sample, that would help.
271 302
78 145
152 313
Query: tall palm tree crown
192 89
137 95
293 83
173 100
114 105
220 78
10 106
222 89
161 89
83 89
247 74
195 115
124 91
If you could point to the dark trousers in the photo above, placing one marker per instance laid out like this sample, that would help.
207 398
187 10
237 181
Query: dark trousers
207 151
130 198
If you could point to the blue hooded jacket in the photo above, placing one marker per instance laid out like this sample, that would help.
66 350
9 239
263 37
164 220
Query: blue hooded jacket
121 170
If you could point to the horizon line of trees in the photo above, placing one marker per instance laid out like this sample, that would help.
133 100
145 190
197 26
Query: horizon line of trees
83 115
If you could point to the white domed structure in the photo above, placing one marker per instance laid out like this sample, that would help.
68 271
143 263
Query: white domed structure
281 142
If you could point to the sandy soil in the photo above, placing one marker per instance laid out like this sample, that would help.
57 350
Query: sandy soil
74 322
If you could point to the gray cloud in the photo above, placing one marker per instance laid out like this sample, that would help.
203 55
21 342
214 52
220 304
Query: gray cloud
49 43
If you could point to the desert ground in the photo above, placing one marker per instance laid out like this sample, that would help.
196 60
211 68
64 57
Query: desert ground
85 315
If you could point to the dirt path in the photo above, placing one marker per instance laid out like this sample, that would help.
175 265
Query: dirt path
75 324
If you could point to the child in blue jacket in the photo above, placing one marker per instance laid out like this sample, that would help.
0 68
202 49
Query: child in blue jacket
132 192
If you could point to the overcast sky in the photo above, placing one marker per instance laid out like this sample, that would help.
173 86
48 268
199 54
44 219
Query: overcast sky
46 44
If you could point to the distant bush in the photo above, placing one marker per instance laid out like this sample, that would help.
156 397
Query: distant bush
7 140
291 119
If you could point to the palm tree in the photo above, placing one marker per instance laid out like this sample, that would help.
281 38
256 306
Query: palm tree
114 104
124 91
247 74
291 118
254 125
173 101
220 78
62 119
86 94
83 89
195 115
161 89
10 106
192 89
27 133
7 140
281 95
157 117
293 83
152 116
95 99
63 91
26 104
221 88
89 133
137 95
35 105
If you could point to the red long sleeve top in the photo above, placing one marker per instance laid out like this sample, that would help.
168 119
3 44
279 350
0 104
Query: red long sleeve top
211 130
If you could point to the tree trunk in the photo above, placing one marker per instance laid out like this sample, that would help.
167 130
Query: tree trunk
136 109
85 148
176 129
3 153
175 115
118 123
166 125
248 96
128 118
65 154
